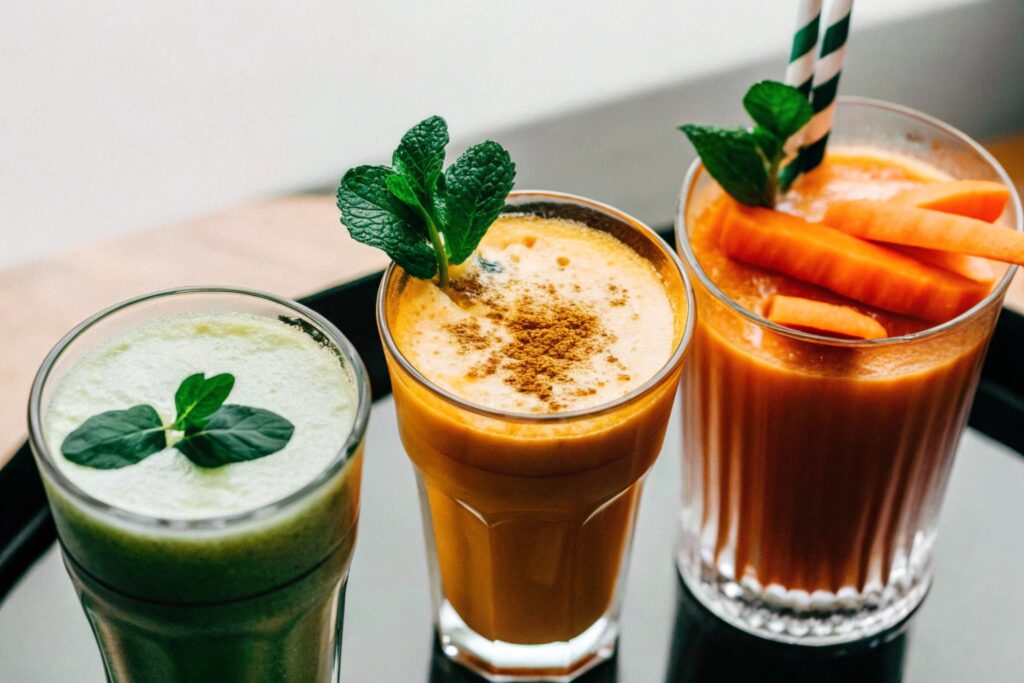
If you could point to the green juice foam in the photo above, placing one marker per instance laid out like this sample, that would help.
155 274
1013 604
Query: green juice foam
276 366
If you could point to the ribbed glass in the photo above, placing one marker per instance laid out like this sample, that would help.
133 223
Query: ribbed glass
813 474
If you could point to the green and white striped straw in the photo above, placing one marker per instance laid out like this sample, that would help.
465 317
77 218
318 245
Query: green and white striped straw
800 72
826 82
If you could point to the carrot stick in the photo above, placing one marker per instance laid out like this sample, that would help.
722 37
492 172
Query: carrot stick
971 267
793 311
845 264
892 222
981 199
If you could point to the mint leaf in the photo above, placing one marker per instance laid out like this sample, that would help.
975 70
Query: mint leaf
420 216
780 109
198 397
745 162
116 438
375 217
733 157
235 434
476 186
401 188
769 145
420 155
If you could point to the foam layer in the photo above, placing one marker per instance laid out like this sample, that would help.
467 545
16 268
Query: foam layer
276 367
550 316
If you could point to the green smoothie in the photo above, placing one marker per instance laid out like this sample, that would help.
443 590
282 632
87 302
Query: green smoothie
228 573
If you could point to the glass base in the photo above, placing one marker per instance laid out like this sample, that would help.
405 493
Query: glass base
797 617
503 662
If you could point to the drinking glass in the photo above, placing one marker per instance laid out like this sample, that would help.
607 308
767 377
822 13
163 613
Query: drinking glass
254 596
528 518
813 474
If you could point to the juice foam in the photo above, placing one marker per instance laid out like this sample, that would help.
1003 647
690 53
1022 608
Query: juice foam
553 316
276 366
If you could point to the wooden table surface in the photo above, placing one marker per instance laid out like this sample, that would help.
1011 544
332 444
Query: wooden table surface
291 246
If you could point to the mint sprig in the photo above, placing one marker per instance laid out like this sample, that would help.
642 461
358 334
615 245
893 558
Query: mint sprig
426 218
747 162
197 398
214 434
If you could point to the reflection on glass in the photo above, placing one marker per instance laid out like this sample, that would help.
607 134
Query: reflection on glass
445 670
706 649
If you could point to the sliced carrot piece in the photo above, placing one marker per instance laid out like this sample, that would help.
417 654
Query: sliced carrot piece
794 311
899 224
847 265
981 199
971 267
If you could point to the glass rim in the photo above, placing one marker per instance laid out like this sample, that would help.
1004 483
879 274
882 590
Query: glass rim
220 522
696 168
675 358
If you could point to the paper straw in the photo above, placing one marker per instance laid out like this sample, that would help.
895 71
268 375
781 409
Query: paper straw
800 72
826 82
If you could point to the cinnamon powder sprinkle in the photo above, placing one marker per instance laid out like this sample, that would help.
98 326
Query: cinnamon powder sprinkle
623 295
469 335
538 340
548 340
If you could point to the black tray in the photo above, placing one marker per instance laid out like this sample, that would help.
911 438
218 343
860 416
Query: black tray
703 649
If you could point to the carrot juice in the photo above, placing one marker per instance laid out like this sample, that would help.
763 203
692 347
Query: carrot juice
532 397
814 466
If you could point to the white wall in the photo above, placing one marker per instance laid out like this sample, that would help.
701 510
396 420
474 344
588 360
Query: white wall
120 115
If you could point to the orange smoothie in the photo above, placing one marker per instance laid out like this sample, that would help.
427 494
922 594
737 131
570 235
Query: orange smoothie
814 471
532 398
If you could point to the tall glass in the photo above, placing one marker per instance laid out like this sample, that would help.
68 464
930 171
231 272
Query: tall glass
528 518
813 474
255 596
